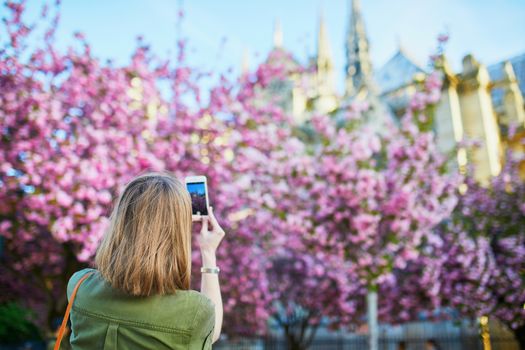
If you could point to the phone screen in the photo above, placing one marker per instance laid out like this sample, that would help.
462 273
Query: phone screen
198 194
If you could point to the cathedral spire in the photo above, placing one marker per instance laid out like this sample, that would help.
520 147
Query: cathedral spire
358 65
325 65
324 52
277 35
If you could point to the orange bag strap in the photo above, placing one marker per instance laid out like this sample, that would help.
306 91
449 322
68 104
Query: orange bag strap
66 316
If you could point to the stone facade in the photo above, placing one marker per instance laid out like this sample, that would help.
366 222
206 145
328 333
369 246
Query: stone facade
478 104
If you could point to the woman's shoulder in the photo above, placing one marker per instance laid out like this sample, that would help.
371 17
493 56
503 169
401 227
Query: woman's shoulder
192 310
196 307
200 300
73 280
204 316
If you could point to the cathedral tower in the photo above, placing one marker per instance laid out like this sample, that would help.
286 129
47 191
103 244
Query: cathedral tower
325 64
326 100
358 66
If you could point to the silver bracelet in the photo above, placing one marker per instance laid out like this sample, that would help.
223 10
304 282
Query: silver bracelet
210 270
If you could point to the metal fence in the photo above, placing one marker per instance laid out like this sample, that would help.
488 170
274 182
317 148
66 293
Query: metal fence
463 342
355 343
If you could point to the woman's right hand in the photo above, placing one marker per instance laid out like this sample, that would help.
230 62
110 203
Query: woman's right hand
208 239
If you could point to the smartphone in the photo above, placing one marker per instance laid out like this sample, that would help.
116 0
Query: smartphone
198 189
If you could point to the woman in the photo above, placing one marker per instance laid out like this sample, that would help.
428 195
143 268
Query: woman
139 296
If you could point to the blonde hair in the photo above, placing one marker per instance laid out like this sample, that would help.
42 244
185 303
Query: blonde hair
147 248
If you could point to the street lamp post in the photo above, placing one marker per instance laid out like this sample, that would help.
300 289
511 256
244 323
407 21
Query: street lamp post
485 333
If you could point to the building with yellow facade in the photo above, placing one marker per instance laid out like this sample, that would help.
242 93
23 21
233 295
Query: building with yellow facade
478 103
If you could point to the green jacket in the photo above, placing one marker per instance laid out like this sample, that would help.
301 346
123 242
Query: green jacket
105 318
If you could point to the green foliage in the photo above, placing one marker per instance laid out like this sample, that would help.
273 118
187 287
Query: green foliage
15 325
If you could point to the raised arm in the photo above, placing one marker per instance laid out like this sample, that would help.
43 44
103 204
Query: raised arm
208 242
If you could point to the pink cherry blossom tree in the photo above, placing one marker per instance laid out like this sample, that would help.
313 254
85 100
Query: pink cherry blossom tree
73 131
306 285
490 222
369 201
475 267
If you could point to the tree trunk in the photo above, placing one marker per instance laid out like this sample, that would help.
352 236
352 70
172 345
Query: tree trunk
299 335
371 302
292 343
519 333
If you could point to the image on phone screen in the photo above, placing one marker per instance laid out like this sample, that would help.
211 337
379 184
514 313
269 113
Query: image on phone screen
197 192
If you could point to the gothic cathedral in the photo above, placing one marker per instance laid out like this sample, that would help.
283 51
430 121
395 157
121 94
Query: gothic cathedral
479 103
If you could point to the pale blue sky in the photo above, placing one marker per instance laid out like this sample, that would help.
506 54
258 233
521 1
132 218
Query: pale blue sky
492 30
